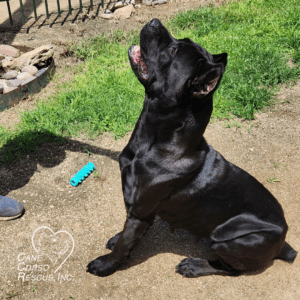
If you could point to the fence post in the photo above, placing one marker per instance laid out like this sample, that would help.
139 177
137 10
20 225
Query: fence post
34 9
91 6
70 7
58 7
9 12
47 11
80 6
22 12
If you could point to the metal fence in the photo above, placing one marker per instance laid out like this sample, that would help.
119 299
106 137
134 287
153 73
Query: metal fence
70 8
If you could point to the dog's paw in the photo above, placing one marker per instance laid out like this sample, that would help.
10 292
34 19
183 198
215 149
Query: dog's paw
102 266
189 267
112 241
195 267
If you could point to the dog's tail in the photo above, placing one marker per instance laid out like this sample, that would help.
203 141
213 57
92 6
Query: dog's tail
287 253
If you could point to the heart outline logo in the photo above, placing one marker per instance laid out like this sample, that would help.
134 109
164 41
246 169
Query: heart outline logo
56 243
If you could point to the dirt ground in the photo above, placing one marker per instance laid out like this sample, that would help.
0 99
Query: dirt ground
45 252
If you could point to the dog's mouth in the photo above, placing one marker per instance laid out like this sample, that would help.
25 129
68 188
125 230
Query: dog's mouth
137 60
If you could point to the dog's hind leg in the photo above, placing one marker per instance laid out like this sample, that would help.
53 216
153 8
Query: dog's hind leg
247 243
243 243
195 267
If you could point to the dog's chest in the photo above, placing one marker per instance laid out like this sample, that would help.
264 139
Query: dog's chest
184 213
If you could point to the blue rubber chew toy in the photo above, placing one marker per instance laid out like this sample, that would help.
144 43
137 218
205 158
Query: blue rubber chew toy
82 174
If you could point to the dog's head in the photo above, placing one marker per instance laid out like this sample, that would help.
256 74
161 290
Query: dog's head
173 69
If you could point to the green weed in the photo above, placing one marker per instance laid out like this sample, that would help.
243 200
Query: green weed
274 179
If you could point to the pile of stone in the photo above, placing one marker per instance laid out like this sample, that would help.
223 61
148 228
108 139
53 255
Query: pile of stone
18 70
124 9
120 10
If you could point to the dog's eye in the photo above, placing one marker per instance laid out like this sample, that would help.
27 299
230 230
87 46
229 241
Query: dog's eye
173 51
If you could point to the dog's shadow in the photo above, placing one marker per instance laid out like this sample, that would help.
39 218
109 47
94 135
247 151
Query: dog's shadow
159 240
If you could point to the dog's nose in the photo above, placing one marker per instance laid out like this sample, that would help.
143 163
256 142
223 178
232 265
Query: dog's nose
154 23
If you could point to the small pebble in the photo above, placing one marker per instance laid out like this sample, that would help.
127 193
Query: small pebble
40 72
107 16
1 89
118 5
14 82
24 76
107 11
10 75
30 69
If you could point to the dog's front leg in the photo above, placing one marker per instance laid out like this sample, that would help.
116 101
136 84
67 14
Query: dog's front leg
134 230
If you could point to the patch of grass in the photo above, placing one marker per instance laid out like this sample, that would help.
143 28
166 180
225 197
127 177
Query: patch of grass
274 179
259 36
96 174
11 295
105 97
87 151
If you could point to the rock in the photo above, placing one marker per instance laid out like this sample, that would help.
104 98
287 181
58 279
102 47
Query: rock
129 2
8 89
14 82
30 69
118 5
155 2
107 16
24 76
1 89
40 72
124 12
28 80
38 57
10 75
107 11
2 72
9 51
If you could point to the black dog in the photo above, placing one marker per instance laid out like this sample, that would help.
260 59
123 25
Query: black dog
169 170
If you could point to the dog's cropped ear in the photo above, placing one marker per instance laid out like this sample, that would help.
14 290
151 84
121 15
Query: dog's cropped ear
220 58
208 76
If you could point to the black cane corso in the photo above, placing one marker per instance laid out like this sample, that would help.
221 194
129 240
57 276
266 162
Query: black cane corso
169 170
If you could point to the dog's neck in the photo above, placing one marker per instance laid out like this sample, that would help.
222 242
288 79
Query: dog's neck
179 124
